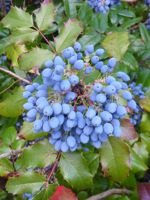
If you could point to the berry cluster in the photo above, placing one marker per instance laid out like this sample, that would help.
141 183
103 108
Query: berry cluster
147 23
102 6
75 113
138 90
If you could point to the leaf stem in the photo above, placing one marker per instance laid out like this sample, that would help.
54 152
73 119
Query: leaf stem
14 75
53 169
109 193
46 40
1 92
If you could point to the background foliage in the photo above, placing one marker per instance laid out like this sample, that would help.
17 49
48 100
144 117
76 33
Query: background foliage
26 158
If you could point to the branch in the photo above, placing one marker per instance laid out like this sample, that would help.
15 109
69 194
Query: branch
46 40
109 193
53 169
11 153
14 75
3 7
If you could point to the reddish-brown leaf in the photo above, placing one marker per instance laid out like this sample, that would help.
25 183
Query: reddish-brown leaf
128 130
144 191
63 193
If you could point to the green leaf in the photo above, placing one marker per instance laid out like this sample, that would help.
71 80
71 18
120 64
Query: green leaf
31 59
100 22
42 154
93 161
27 133
9 135
13 52
68 34
131 22
144 125
28 182
144 33
130 61
70 8
17 18
23 35
75 171
116 44
46 193
126 13
137 163
141 149
45 16
5 167
12 104
85 13
115 159
146 140
90 38
95 75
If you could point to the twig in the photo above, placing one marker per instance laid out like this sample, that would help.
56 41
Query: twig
54 167
46 40
1 92
14 75
5 155
109 193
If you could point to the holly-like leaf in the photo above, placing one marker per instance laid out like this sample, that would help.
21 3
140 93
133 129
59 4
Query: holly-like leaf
128 130
45 16
137 163
14 51
17 18
5 167
12 104
46 193
63 193
68 34
146 140
141 149
130 61
42 154
90 38
29 182
23 35
75 170
9 135
115 159
116 44
34 58
93 161
144 191
70 8
27 133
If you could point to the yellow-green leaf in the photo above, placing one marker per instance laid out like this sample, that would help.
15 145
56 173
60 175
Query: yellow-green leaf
68 34
12 104
116 44
34 58
17 18
45 16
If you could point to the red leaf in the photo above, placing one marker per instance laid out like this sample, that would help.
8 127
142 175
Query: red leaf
128 130
63 193
144 191
46 1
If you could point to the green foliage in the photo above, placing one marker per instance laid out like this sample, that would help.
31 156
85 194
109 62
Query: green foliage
27 182
31 59
75 171
46 156
68 34
116 44
12 104
31 34
115 158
